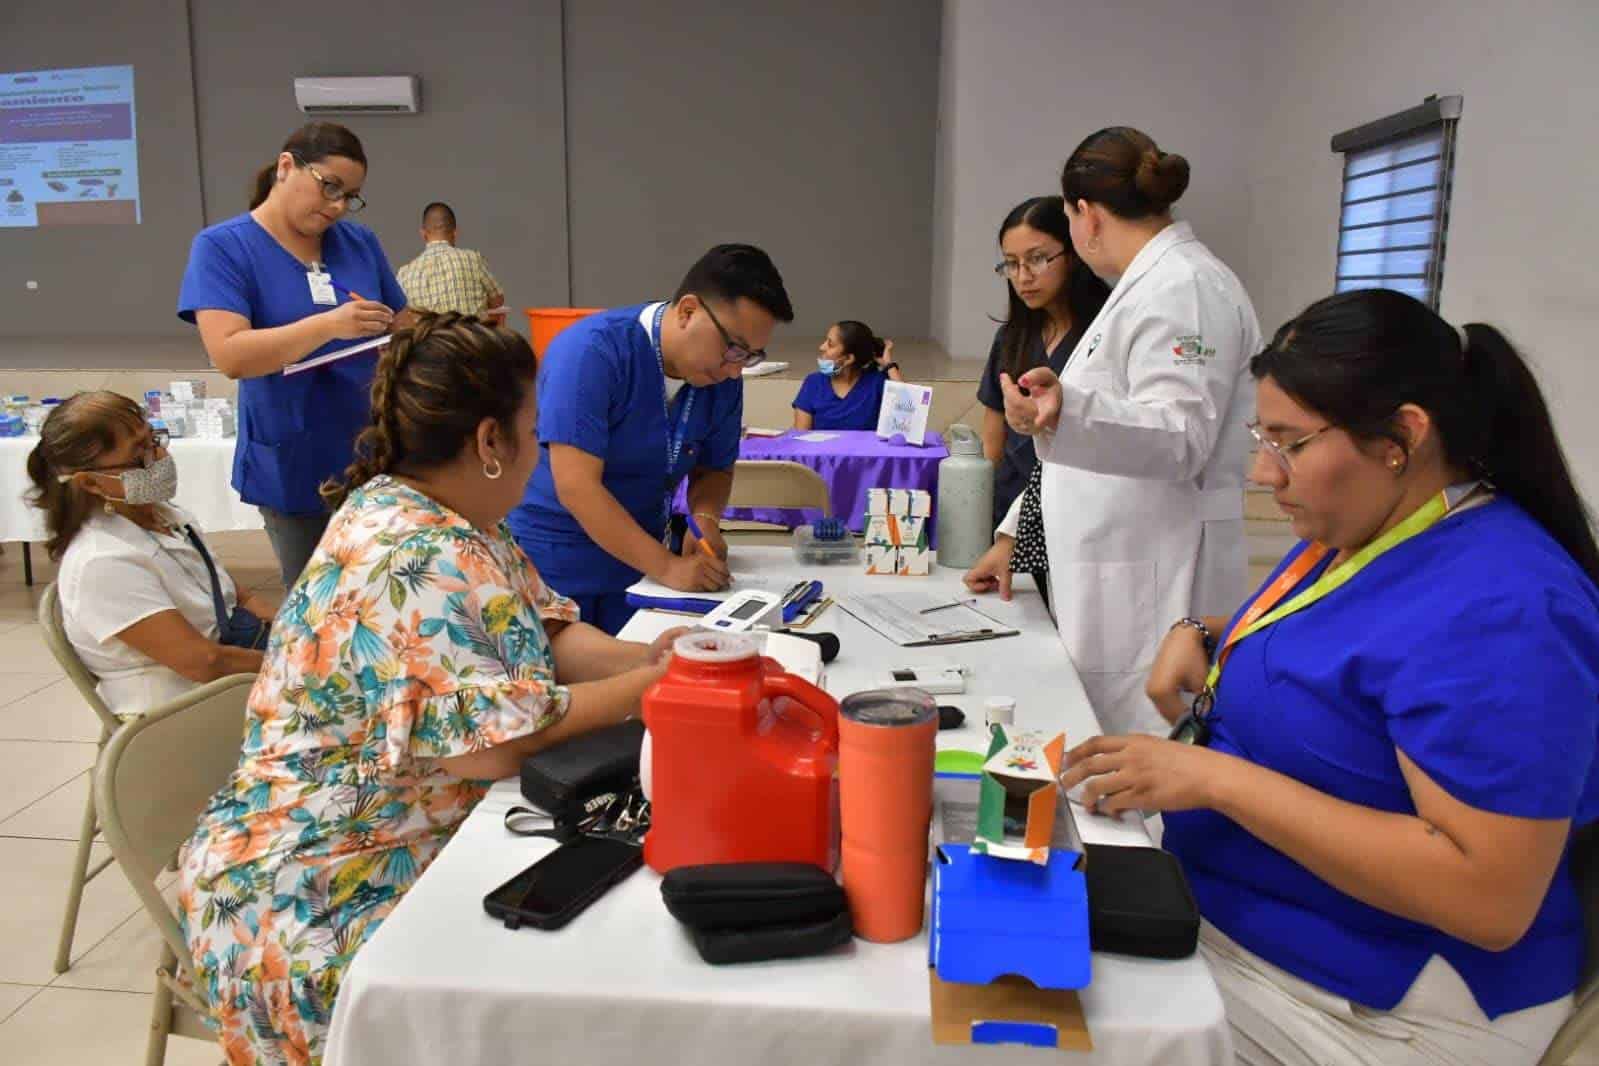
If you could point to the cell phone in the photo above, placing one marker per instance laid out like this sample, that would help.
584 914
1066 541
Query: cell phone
563 883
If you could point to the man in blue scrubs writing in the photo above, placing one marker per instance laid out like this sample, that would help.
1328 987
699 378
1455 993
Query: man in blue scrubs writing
632 401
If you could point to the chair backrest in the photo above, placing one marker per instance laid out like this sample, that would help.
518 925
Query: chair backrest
777 483
1584 1022
156 776
55 638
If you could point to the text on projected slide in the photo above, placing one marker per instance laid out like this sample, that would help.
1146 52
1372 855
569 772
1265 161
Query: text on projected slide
69 152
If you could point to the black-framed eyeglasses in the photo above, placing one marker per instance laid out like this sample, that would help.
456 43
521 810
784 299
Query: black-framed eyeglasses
333 191
1034 263
1194 726
737 352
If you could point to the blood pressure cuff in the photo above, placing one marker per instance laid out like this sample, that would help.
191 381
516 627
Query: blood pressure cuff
564 779
793 941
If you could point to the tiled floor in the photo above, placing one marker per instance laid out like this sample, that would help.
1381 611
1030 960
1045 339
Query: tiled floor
98 1011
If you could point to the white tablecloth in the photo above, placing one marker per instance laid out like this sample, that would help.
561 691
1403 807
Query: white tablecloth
205 473
441 982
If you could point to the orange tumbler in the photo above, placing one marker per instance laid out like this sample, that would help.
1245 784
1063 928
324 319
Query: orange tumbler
886 739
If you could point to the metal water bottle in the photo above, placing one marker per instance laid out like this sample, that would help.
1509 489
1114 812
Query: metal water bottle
965 500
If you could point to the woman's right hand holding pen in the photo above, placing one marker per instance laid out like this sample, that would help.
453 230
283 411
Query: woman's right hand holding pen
359 318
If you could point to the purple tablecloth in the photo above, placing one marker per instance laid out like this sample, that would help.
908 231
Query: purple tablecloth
850 463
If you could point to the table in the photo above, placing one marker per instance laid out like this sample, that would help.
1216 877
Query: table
440 981
205 474
851 462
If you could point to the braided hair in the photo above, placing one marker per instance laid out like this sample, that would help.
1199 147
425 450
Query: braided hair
435 384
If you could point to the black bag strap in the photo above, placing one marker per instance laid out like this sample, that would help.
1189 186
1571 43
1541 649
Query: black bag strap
217 600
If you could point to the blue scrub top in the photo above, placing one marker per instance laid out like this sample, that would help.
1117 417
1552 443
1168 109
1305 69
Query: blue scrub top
856 410
294 431
600 390
1474 649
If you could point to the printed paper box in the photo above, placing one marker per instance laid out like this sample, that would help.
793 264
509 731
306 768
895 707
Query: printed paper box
1018 794
896 539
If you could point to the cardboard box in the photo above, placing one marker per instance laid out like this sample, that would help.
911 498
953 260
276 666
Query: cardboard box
1008 1011
896 540
1018 795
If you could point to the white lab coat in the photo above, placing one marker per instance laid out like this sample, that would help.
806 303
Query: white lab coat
1142 487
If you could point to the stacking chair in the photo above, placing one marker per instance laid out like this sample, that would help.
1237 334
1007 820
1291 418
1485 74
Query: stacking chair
55 639
778 483
1579 1030
151 783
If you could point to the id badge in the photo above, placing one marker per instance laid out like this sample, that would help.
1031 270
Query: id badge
321 284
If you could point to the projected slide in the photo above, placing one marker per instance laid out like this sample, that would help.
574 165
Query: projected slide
69 153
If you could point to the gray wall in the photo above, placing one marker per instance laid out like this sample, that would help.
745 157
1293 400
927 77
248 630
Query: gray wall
805 127
106 280
488 140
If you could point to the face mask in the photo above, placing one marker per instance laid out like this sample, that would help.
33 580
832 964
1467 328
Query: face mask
828 367
156 483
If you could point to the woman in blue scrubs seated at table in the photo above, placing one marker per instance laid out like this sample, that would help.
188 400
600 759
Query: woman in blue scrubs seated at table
846 391
1394 747
286 280
632 401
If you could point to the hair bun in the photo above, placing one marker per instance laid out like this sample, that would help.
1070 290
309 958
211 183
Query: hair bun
1162 178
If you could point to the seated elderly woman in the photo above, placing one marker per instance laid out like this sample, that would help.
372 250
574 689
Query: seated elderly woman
144 603
418 655
1394 745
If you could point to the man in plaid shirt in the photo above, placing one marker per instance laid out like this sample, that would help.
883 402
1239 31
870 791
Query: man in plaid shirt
447 278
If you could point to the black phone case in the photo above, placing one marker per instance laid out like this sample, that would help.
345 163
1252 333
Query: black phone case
1139 903
515 917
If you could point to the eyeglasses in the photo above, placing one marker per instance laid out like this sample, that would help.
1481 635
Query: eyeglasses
1034 264
737 352
1194 726
1284 453
159 439
333 191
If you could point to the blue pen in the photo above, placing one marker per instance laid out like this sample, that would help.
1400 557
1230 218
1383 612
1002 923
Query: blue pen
699 538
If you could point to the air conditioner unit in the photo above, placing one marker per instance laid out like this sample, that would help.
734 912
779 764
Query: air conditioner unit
392 95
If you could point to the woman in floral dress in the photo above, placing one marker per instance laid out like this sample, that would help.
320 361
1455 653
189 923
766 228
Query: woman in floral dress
418 656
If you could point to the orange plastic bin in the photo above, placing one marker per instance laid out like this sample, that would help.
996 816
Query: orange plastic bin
545 322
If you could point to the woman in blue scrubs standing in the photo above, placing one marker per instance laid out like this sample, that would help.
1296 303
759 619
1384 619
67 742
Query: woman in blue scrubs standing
1393 752
631 402
846 392
291 278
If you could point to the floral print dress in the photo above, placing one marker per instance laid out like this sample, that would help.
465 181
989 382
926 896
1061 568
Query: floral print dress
411 636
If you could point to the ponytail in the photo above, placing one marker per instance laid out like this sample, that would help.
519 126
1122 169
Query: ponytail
265 178
1515 446
863 346
1359 356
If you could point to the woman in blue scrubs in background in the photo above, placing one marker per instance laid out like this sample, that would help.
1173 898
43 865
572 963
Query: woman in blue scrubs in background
631 402
846 391
291 278
1377 810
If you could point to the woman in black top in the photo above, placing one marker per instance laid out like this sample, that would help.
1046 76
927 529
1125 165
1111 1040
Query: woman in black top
1053 297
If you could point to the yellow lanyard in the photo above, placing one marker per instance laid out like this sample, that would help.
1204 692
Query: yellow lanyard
1266 611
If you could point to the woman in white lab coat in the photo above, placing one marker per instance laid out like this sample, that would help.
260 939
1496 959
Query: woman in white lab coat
1142 434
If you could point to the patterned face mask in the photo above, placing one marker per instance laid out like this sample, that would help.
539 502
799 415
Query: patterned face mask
156 483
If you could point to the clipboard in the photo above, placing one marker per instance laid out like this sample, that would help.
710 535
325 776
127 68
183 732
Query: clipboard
903 619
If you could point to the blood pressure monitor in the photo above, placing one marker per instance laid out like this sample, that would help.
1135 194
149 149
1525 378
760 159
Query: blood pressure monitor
744 611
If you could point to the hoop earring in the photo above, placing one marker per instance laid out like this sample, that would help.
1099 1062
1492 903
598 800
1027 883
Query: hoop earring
493 475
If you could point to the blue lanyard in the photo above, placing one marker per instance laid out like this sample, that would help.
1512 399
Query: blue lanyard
678 435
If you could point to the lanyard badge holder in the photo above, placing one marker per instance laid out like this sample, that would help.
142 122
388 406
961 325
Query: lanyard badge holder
675 435
1194 727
